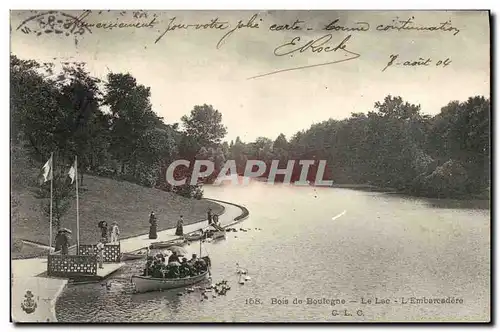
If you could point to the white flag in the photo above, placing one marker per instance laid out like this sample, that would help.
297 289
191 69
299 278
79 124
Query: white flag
72 172
46 170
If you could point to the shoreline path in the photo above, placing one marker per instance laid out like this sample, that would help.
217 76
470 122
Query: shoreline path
30 274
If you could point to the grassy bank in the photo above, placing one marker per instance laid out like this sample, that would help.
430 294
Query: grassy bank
102 199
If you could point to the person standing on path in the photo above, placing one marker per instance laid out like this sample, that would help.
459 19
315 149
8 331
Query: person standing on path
100 252
209 216
180 231
115 233
104 230
153 224
59 241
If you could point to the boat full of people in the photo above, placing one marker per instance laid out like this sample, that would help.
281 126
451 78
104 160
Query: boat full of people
160 274
149 284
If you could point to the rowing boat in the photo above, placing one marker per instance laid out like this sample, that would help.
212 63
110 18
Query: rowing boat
166 244
128 256
145 284
194 236
220 233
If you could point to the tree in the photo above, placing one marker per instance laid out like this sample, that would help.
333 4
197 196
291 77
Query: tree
461 132
280 143
237 153
132 119
225 150
36 118
204 126
87 127
394 107
57 112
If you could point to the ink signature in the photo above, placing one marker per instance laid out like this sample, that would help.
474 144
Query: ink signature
316 46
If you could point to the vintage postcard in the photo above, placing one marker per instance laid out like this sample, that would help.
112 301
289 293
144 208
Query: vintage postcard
250 166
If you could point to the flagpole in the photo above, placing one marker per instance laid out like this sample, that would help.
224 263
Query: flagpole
51 189
77 212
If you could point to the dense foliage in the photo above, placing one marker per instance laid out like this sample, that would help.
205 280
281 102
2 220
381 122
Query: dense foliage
393 146
115 132
110 125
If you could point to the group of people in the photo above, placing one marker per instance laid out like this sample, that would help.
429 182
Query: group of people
179 231
112 233
174 267
109 233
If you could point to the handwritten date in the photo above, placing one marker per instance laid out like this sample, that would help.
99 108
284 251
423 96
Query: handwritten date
420 62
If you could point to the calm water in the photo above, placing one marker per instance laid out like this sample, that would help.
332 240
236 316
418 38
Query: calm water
383 246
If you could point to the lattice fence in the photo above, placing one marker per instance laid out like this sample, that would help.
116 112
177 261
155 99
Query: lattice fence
112 252
71 265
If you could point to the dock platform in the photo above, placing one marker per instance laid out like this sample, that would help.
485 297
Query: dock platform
108 269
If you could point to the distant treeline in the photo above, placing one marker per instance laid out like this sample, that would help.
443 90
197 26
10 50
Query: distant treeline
112 127
393 146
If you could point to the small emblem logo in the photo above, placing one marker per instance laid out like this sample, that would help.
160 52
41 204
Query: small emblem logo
28 305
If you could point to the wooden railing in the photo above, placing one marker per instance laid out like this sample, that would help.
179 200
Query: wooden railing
71 265
112 252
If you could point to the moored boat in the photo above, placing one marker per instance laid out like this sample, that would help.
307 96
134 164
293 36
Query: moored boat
196 236
148 284
128 256
166 244
220 233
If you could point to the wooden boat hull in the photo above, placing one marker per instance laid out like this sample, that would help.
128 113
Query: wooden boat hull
166 244
128 256
219 235
194 237
149 284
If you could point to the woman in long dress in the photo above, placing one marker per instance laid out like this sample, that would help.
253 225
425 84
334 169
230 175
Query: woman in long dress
153 224
100 252
104 230
179 231
115 233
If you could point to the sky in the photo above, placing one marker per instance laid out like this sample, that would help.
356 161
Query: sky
185 67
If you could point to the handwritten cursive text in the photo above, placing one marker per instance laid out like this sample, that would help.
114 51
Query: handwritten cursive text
420 62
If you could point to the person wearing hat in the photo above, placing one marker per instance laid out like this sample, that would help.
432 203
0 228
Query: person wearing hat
115 233
103 225
180 230
185 269
209 216
62 241
174 258
153 224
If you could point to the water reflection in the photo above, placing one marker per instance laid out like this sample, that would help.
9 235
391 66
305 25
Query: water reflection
384 245
168 299
458 204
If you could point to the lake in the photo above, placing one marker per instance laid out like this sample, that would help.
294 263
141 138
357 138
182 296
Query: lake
356 255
